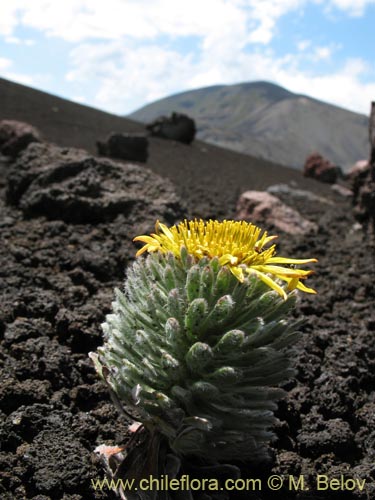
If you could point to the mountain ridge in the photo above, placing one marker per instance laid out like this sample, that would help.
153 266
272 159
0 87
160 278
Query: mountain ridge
268 121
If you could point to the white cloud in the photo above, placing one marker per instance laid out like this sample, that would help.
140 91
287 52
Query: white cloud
7 71
80 20
125 48
265 15
130 76
321 53
343 87
5 63
8 17
14 76
303 45
81 99
354 8
14 40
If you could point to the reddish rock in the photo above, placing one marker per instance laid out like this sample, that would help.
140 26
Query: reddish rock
177 127
358 168
129 147
364 199
16 136
357 176
317 167
363 183
262 207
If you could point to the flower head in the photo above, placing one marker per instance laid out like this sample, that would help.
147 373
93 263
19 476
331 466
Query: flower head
239 245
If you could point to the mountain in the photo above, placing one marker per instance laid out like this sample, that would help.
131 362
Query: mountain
268 121
200 171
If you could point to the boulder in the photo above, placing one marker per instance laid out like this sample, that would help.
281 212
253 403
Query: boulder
362 177
34 161
364 208
262 207
363 188
357 176
16 136
342 190
285 191
177 127
69 184
358 168
129 147
321 169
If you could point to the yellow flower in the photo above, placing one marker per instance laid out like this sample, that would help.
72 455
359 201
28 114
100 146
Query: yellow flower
237 244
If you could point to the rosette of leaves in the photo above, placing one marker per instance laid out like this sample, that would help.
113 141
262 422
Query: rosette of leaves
196 355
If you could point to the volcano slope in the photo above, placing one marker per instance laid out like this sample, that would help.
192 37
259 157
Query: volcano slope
66 231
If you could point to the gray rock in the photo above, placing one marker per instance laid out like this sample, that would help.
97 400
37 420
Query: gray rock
263 207
70 185
342 190
177 127
129 147
34 161
16 136
301 194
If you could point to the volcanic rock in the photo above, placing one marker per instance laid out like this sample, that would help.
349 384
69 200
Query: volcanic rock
34 161
16 136
342 190
321 169
358 168
323 436
130 147
262 207
363 183
178 127
284 190
364 198
70 185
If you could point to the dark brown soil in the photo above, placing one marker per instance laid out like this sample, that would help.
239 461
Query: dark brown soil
58 273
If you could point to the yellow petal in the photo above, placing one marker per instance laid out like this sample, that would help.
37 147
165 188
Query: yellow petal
300 286
292 284
284 271
304 288
237 272
286 260
269 281
237 244
166 231
228 259
145 239
148 248
268 239
142 250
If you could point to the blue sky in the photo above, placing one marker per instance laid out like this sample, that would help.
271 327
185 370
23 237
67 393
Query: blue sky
118 55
